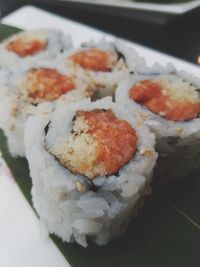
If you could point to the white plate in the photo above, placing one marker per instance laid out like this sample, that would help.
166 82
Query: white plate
178 8
21 243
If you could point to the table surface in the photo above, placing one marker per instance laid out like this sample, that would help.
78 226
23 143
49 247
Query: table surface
179 36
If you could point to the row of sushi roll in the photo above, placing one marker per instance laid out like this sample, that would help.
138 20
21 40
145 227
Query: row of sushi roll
93 123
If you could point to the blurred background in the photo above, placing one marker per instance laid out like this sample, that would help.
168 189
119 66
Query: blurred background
175 32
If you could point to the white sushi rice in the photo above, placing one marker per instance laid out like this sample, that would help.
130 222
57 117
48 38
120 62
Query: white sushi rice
15 108
57 43
105 82
65 202
177 142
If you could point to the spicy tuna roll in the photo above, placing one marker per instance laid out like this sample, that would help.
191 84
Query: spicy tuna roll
106 63
31 45
34 89
169 103
93 169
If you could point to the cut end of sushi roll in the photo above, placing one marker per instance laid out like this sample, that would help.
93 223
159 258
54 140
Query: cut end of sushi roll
93 168
168 101
99 145
26 45
169 96
31 45
43 84
104 63
96 59
35 88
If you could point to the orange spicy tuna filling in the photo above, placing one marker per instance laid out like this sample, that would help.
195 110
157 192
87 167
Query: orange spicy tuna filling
116 139
150 94
25 48
99 144
92 59
47 84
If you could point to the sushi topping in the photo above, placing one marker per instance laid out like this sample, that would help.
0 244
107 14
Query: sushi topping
173 99
96 59
146 152
26 47
47 84
80 187
100 144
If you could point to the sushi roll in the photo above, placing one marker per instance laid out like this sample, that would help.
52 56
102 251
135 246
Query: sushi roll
93 169
31 45
168 101
34 89
106 63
